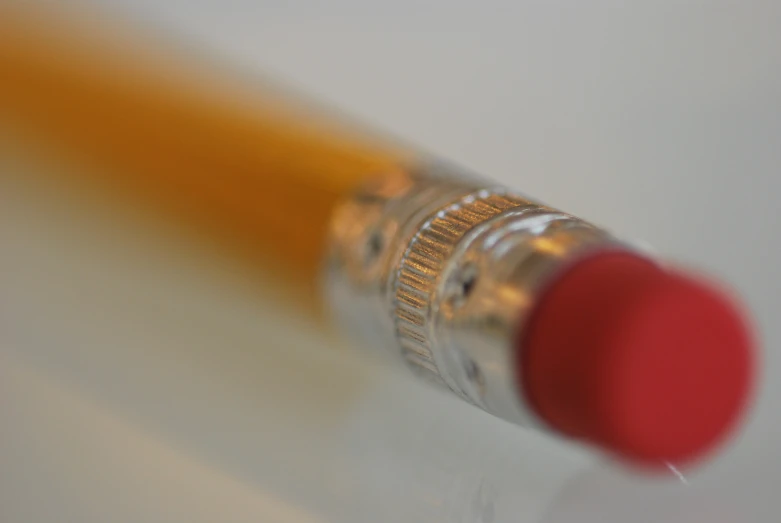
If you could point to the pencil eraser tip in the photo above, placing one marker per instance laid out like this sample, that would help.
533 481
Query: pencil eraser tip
652 365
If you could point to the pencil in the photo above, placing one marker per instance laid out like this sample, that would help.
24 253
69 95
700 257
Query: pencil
520 309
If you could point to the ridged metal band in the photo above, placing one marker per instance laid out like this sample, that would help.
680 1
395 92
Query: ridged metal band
423 263
442 271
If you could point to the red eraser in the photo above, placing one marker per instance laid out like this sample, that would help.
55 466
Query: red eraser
649 364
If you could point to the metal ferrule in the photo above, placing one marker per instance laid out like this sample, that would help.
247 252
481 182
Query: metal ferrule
442 271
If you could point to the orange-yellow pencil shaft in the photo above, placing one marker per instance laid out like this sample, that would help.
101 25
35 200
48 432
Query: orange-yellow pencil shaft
246 167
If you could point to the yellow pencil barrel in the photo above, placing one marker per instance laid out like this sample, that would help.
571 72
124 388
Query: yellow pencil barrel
253 168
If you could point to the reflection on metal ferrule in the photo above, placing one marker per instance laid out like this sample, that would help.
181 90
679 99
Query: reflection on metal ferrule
441 270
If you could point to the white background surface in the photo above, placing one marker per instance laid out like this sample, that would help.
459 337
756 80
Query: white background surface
143 380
